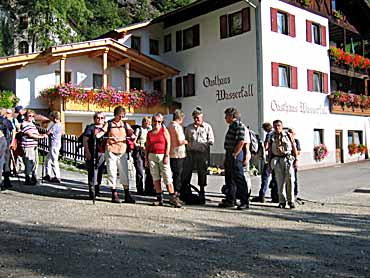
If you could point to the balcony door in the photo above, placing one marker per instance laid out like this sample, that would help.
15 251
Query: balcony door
339 146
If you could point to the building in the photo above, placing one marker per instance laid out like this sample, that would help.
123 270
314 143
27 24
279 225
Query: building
268 58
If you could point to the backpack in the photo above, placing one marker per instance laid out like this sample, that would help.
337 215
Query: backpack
256 143
5 126
129 142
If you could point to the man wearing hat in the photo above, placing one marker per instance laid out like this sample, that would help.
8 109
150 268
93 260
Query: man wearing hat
19 113
199 135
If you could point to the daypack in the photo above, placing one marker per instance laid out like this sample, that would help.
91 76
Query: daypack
6 128
129 142
255 144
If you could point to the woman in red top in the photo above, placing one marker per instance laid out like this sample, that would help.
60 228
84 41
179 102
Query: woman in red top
157 153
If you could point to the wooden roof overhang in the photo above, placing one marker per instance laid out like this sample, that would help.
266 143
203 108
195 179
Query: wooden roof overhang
117 54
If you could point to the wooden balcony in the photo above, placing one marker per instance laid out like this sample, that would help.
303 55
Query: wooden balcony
348 71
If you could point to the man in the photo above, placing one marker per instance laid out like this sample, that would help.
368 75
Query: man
116 155
282 157
94 146
19 113
266 171
298 145
235 140
199 136
8 130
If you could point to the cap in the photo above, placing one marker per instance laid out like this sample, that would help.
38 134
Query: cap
18 108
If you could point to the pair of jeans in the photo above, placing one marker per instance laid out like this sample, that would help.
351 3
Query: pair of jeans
177 167
95 169
139 159
265 176
235 179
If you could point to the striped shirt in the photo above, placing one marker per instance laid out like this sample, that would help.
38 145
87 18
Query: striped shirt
28 128
234 135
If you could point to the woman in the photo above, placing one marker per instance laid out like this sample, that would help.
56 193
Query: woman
157 154
55 143
30 136
177 149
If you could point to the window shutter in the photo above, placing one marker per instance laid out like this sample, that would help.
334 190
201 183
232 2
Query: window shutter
196 35
185 86
274 27
178 41
275 74
308 31
191 84
169 87
246 20
292 25
326 83
310 80
294 80
178 87
323 35
223 26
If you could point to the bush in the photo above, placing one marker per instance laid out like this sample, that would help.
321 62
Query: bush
8 99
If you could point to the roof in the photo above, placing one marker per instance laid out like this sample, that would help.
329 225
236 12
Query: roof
118 55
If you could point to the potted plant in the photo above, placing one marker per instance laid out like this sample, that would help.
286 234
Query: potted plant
362 149
320 152
352 149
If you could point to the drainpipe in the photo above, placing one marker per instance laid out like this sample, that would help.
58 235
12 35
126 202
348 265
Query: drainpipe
257 10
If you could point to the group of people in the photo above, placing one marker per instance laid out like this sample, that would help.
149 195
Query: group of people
19 146
161 154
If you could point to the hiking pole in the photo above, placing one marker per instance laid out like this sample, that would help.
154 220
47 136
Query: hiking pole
15 172
95 168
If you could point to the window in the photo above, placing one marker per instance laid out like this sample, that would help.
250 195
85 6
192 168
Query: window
187 38
67 77
169 87
189 85
157 85
136 43
154 47
167 43
315 33
317 81
97 81
23 22
136 83
282 22
23 47
354 137
318 137
178 87
284 76
235 24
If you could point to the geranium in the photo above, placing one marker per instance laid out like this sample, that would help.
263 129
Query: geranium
362 149
357 101
320 152
352 149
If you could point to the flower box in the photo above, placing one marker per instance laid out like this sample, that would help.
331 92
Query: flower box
343 103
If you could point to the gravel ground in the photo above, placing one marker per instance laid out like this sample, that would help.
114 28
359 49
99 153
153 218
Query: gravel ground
55 231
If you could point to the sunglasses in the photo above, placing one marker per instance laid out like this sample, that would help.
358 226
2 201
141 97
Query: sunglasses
31 116
100 118
158 122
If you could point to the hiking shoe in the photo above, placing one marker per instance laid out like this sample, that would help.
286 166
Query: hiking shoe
291 205
115 198
46 178
55 180
157 204
243 206
129 199
2 187
174 201
33 180
97 190
27 181
282 205
226 204
258 199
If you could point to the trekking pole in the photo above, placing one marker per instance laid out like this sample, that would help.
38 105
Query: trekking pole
15 172
95 167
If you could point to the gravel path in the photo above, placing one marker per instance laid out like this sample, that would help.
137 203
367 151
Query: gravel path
54 231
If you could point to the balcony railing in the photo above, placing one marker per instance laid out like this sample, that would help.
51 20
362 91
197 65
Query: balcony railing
349 104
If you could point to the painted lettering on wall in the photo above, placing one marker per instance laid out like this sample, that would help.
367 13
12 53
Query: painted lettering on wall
300 107
223 93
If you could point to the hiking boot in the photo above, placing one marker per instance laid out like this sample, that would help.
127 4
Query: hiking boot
2 187
226 204
129 199
46 178
282 205
33 180
97 190
6 182
174 201
291 205
115 197
258 199
27 180
55 180
243 206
